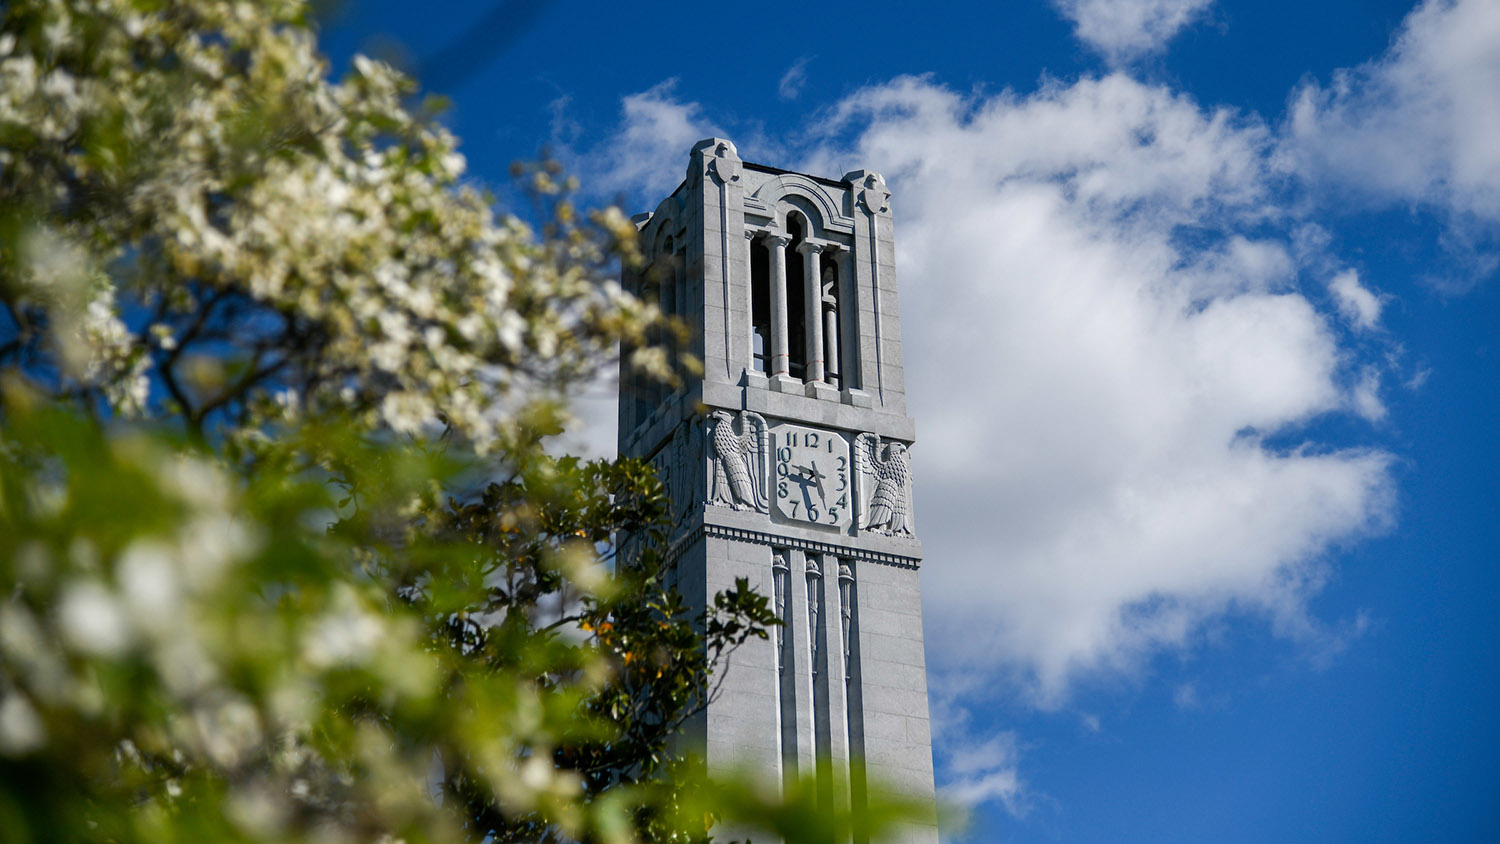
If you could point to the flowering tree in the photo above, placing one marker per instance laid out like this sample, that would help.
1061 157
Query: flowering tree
282 554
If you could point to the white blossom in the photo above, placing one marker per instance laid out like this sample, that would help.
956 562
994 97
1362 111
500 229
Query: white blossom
21 729
92 619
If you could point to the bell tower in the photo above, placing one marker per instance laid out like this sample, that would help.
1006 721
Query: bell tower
789 463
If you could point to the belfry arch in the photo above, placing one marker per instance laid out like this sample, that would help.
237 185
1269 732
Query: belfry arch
799 303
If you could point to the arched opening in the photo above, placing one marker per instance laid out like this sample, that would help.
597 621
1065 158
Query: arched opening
760 307
796 299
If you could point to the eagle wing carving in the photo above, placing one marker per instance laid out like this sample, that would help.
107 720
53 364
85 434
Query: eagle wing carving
888 464
739 461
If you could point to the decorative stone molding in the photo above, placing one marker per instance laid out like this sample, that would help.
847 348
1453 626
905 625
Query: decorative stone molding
774 540
846 610
795 184
814 600
779 573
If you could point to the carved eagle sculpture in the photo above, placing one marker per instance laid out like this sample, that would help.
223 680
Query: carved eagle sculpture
887 511
739 461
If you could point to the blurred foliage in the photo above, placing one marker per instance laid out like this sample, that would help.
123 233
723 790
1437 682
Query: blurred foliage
283 553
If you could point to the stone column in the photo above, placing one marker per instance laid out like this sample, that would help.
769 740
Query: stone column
812 316
780 356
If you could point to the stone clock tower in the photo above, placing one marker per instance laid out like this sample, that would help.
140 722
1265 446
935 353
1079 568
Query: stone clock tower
789 461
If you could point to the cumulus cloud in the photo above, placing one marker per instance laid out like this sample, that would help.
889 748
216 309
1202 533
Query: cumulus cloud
1415 125
1098 393
1107 351
648 155
1122 30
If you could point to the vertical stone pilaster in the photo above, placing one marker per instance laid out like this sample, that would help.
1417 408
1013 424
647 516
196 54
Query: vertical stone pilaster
873 262
716 171
800 610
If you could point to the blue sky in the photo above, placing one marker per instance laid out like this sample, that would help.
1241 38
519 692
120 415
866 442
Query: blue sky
1201 310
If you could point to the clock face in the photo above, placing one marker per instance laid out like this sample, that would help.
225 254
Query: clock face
811 476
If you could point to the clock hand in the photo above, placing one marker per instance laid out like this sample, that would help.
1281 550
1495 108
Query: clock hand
804 479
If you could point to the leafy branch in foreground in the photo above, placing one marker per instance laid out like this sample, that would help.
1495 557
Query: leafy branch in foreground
283 553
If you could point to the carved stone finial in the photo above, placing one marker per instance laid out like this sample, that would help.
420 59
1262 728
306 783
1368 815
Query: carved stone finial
722 160
870 189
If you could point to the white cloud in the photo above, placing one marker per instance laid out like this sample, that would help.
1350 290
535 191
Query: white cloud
1365 397
792 82
1107 352
1094 392
649 153
1123 30
1417 124
976 772
1355 301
